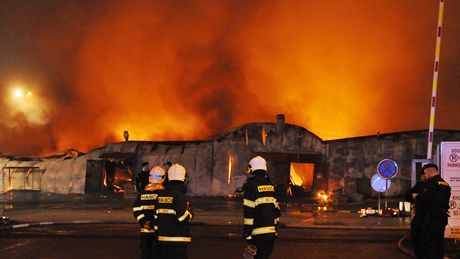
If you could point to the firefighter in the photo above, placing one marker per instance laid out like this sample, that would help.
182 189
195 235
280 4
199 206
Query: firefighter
144 212
435 203
173 215
142 178
261 209
419 216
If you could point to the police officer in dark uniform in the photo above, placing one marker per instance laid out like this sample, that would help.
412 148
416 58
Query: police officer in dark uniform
142 178
144 212
417 220
261 209
435 203
173 215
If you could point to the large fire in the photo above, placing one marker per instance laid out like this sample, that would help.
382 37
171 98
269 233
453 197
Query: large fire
183 70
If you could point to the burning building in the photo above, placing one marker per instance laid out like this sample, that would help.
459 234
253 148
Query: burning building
297 160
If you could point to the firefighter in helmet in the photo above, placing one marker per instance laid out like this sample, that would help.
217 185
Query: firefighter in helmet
144 212
173 215
142 177
261 209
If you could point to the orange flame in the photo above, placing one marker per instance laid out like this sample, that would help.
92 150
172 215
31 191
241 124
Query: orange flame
230 161
295 178
165 70
264 136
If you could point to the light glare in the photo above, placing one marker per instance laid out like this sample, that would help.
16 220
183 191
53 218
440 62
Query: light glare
17 93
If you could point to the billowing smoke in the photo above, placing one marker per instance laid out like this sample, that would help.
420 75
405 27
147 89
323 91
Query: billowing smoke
167 70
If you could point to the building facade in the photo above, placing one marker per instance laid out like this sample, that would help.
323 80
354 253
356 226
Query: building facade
297 160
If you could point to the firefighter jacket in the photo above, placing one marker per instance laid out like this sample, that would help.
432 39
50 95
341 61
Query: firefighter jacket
173 215
261 208
435 200
144 206
141 180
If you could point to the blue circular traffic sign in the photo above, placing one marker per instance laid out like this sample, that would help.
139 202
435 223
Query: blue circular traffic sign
387 169
379 184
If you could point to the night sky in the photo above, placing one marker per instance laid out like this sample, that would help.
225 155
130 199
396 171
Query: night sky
76 74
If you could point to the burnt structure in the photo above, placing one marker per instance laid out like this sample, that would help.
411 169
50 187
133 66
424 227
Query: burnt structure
215 167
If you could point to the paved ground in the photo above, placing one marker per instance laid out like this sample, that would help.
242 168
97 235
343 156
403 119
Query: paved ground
338 232
207 211
121 241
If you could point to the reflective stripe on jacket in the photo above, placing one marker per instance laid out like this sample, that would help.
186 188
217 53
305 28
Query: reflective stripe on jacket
261 208
173 215
144 206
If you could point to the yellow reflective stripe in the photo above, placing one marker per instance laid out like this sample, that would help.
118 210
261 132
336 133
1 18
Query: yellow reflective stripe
265 200
155 227
248 221
140 216
277 205
249 203
166 211
264 230
174 239
183 217
144 230
145 207
277 220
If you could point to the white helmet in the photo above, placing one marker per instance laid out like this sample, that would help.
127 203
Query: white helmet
257 163
176 172
156 175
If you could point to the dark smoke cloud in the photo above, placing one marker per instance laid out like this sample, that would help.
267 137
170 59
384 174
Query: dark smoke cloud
191 69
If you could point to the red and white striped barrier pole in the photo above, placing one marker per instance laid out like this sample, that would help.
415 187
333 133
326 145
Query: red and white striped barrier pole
435 80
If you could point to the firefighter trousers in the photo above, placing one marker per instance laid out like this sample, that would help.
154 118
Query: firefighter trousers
264 248
149 248
173 251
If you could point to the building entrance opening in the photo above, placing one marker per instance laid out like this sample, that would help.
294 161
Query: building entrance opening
117 176
110 175
301 174
301 178
293 173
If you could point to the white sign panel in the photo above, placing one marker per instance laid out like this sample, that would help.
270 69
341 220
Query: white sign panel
450 172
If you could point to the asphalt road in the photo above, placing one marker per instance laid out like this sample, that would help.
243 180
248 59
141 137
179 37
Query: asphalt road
121 241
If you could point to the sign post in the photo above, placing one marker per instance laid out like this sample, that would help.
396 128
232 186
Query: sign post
387 169
379 185
450 172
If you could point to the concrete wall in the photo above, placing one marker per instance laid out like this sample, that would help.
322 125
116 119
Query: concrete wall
196 157
349 163
291 139
352 162
55 175
207 162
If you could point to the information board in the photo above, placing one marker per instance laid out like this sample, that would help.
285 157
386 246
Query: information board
450 172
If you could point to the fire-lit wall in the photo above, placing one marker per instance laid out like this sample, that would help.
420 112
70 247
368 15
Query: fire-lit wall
352 162
53 175
217 167
288 139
